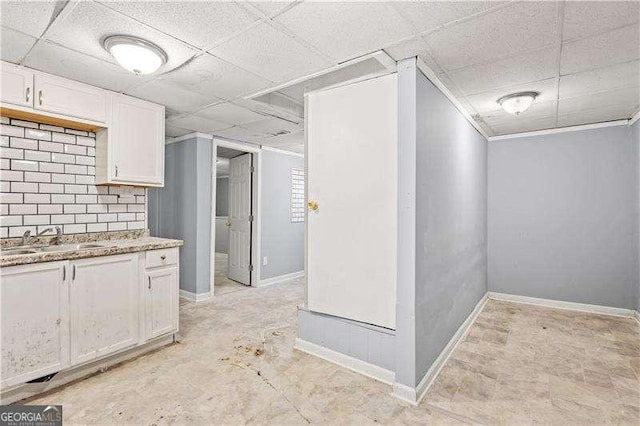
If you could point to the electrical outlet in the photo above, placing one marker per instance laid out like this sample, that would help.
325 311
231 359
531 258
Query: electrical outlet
264 261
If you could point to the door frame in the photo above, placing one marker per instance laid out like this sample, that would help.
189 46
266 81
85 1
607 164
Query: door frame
256 206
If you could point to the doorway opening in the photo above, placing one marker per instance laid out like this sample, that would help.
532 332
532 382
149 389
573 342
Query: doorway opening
235 208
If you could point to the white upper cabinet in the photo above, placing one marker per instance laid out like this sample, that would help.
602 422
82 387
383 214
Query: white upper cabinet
62 96
35 321
16 85
131 150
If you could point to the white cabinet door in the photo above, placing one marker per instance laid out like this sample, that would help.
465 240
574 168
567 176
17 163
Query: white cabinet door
161 302
70 98
136 138
35 321
16 85
104 306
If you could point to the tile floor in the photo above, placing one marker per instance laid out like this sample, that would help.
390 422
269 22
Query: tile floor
222 284
519 364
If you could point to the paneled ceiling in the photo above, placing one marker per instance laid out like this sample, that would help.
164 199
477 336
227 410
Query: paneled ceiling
583 57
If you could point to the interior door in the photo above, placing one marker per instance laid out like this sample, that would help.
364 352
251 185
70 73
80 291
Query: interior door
240 219
351 153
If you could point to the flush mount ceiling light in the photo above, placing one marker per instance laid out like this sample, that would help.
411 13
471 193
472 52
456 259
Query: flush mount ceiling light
517 102
135 54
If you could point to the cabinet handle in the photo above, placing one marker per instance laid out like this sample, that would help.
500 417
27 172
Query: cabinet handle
116 171
28 93
149 283
73 275
58 321
40 97
163 257
64 272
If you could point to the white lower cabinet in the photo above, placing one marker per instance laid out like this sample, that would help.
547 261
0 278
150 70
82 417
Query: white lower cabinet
57 315
35 321
161 301
104 306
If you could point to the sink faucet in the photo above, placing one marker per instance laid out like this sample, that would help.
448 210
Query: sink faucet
27 238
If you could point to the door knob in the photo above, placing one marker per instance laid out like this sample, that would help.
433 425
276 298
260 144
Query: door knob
228 224
313 205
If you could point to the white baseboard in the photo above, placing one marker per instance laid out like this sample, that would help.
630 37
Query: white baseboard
559 304
414 395
346 361
281 278
193 297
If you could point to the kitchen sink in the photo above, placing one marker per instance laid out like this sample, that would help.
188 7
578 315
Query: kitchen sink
49 249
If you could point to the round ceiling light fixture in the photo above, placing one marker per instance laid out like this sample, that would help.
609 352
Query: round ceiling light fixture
517 103
135 54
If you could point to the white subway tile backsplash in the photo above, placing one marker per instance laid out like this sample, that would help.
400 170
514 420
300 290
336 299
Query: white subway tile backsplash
25 165
23 143
42 135
47 177
5 120
36 177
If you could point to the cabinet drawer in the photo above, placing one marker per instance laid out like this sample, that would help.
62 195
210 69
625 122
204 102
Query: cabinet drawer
161 257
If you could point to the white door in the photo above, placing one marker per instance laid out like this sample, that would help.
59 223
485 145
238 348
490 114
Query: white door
104 306
351 152
16 85
240 219
136 139
161 302
35 321
67 97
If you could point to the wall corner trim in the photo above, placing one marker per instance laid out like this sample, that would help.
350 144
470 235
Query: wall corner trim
634 118
560 304
378 373
195 297
561 130
433 77
280 279
414 395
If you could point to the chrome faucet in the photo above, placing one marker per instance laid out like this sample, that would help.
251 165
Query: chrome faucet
27 238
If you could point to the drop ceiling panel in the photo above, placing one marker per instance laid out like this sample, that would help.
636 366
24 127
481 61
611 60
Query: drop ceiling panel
172 131
241 134
525 126
230 113
487 102
200 23
344 30
271 8
413 47
30 17
214 77
426 16
584 18
282 141
624 98
539 110
14 45
603 50
602 79
57 60
532 66
598 115
172 96
272 126
501 33
271 54
84 28
197 124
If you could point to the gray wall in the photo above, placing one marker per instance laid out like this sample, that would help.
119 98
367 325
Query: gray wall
282 241
365 342
451 221
182 209
563 217
222 196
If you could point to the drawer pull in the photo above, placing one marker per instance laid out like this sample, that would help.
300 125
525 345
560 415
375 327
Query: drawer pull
40 97
58 321
163 257
28 93
73 275
149 283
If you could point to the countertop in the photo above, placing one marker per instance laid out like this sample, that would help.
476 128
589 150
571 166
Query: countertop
112 246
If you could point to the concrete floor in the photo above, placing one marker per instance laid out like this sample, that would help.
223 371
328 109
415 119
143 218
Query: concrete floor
222 284
519 364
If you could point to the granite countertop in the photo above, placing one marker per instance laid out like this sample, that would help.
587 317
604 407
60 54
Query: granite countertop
114 243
